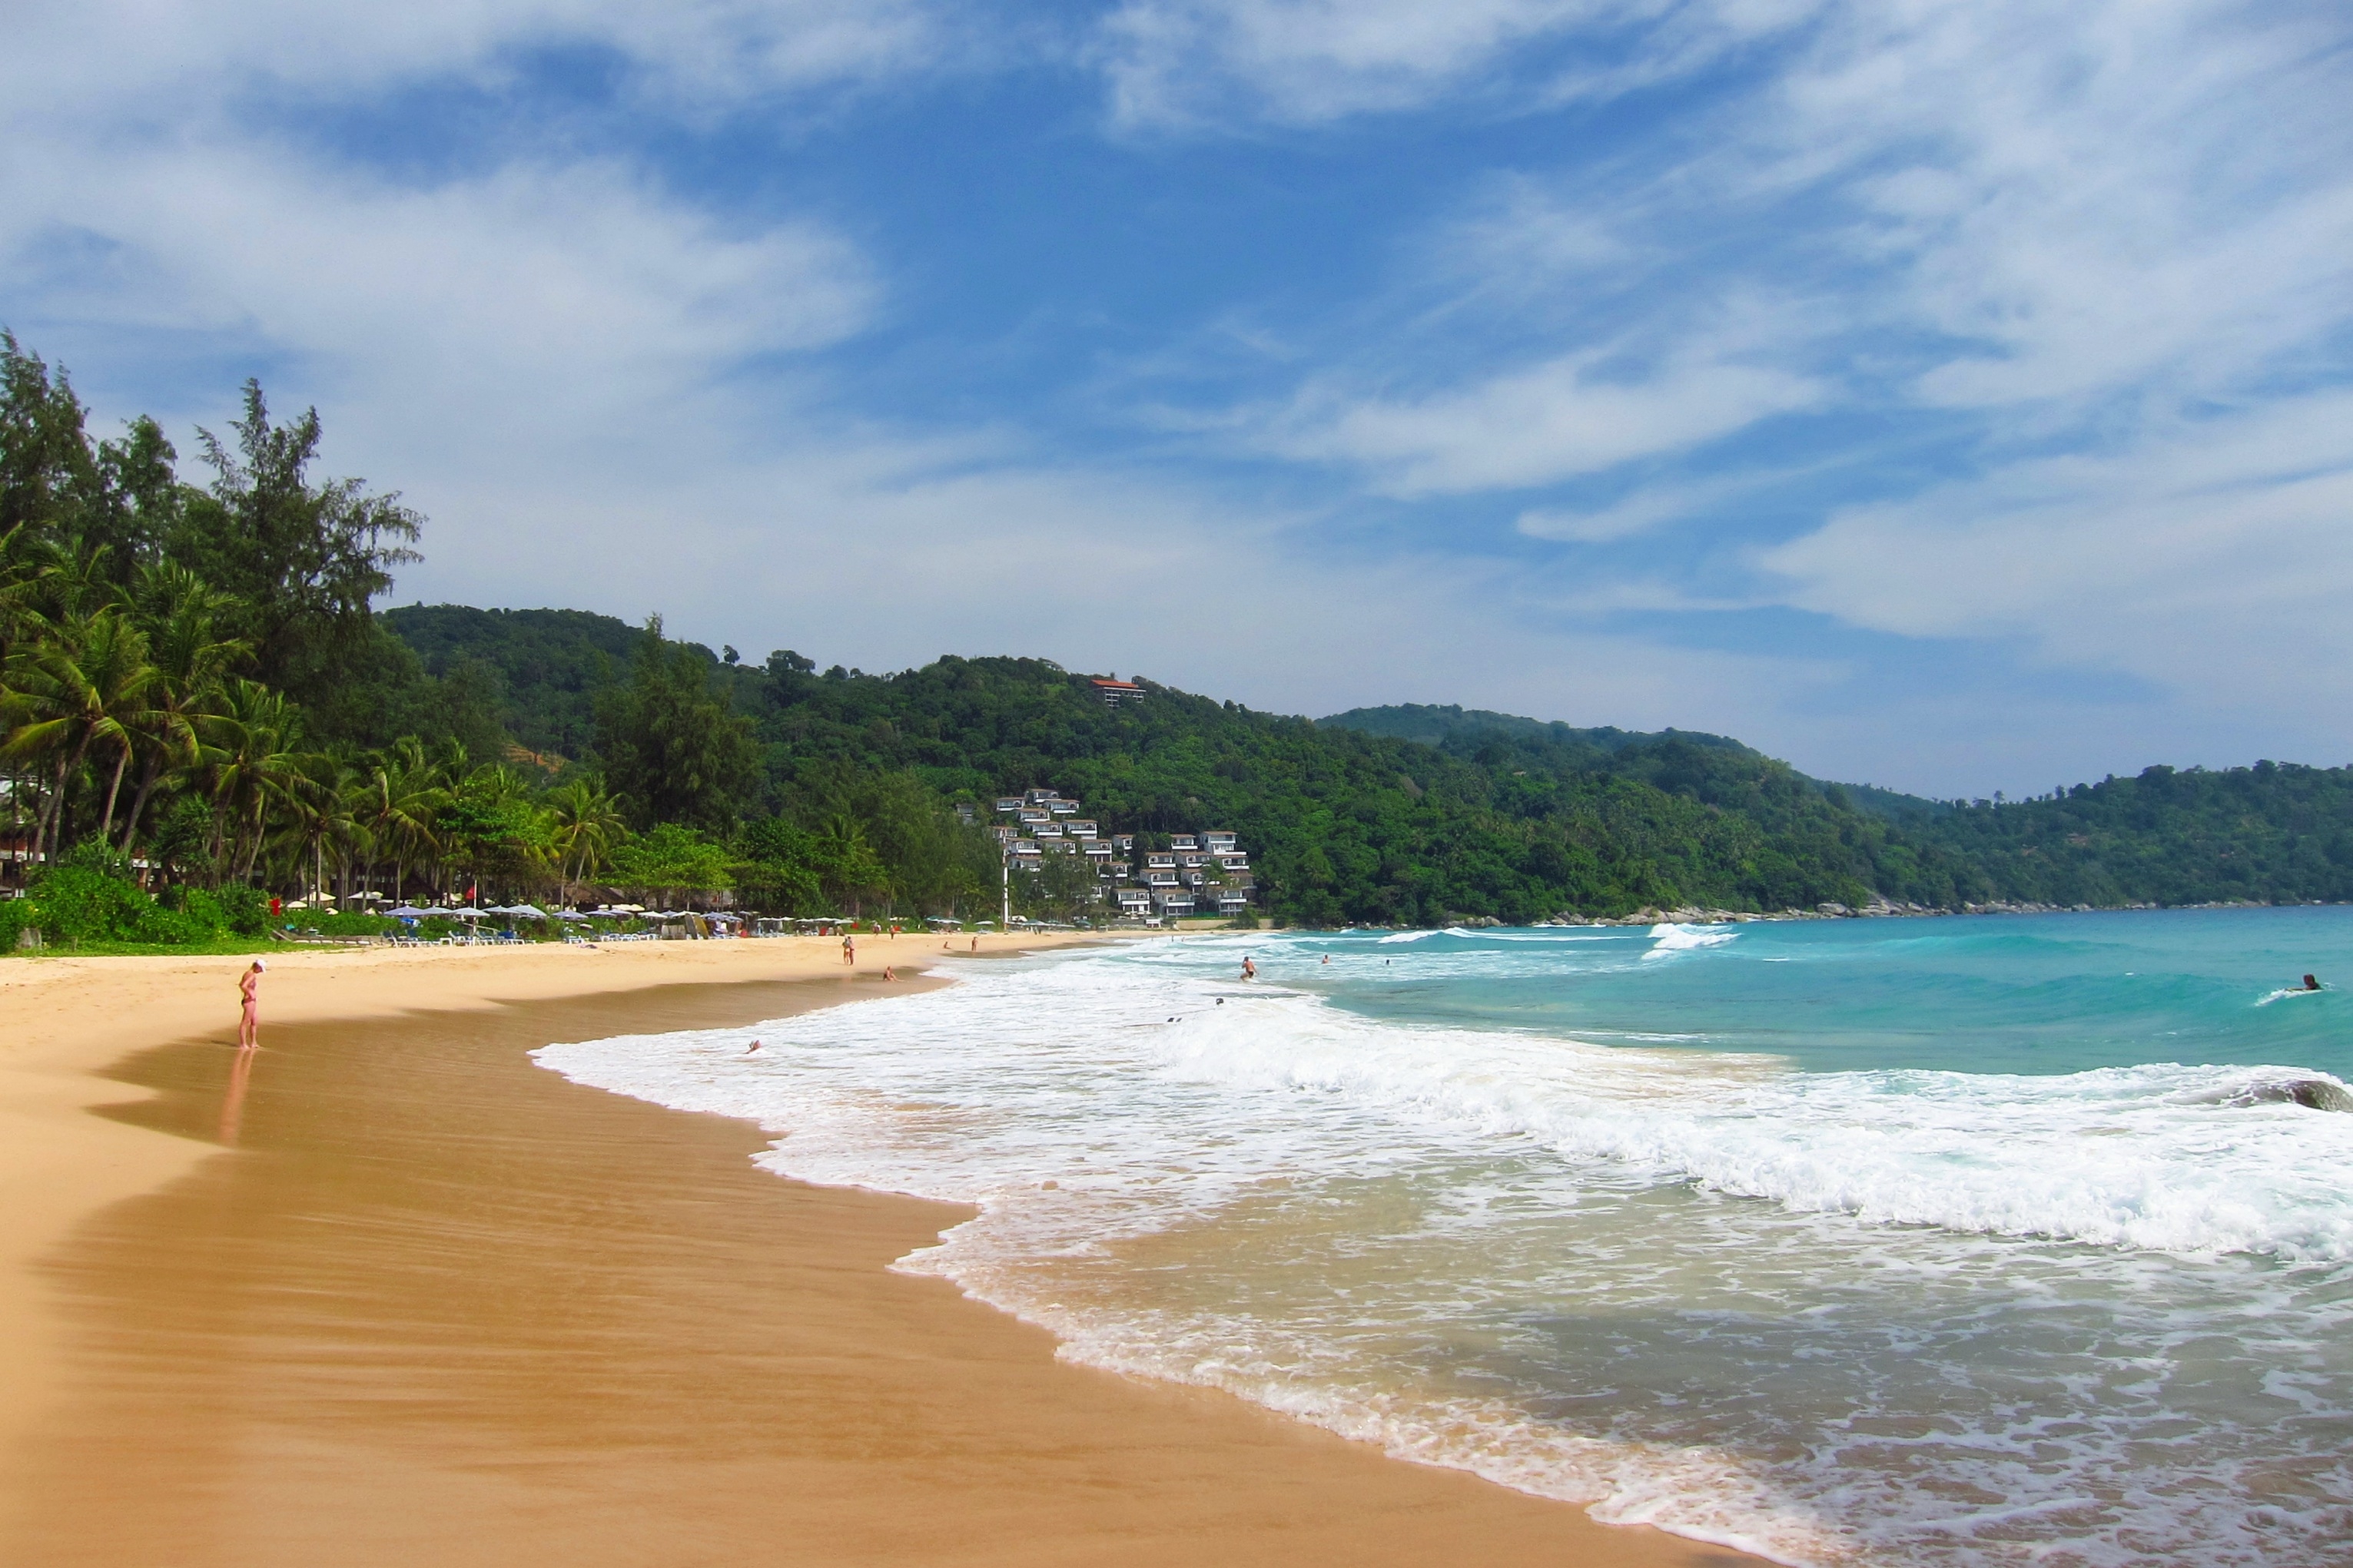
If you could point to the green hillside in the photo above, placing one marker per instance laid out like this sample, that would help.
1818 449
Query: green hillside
1344 825
543 667
1435 726
1463 730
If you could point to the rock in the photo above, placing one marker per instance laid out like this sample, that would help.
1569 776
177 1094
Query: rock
2312 1093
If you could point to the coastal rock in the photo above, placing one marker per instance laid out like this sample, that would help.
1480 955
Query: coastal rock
2312 1093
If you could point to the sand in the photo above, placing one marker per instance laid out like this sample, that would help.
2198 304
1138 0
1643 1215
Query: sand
387 1293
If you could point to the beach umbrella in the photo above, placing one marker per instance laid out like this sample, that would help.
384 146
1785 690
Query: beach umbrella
528 911
411 913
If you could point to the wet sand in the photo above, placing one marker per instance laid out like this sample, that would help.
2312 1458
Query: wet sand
437 1305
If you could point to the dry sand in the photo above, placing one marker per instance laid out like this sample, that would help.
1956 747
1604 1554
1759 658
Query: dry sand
385 1293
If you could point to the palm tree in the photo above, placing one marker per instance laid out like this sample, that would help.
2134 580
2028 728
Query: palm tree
180 618
314 813
256 768
84 686
395 801
587 823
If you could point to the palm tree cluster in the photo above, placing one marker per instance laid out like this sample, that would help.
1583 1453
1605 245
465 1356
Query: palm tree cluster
129 718
146 708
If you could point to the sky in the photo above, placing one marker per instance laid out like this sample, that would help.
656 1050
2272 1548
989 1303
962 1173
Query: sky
1952 397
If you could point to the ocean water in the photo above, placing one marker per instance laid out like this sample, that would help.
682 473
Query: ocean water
1985 1240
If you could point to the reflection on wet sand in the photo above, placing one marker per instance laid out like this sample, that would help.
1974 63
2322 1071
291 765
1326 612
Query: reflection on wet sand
232 1114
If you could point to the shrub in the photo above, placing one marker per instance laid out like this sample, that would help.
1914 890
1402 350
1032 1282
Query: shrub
333 922
174 927
75 904
243 910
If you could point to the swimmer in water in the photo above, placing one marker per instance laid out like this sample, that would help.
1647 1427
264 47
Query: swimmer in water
755 1045
2310 983
1249 970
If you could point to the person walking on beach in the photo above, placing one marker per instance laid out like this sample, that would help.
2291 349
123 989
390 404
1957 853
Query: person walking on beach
849 948
249 1024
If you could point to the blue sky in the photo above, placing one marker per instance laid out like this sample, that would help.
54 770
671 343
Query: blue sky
1956 396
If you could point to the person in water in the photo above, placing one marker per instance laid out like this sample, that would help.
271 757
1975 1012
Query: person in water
249 1024
1249 970
2311 983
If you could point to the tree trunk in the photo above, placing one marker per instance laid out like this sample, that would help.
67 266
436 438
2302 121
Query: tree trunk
52 809
113 788
153 771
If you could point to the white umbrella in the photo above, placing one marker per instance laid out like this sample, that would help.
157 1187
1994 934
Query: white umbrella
411 913
528 911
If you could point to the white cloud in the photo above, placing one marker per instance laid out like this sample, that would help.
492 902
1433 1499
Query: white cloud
1644 508
1199 64
2211 556
1173 61
145 63
1545 423
2130 191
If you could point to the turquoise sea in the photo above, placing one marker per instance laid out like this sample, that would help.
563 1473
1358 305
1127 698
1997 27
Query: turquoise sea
1987 1240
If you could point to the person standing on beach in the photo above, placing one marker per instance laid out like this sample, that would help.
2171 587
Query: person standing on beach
249 1024
849 948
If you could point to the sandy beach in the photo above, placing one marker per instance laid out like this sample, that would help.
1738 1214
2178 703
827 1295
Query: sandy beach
388 1293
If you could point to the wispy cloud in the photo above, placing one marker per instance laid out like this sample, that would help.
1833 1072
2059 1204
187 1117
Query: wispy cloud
1548 422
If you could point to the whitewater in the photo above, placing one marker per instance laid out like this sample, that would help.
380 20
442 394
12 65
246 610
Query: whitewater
1980 1241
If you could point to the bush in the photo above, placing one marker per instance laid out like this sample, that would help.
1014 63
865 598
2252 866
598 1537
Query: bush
174 927
243 909
15 914
333 922
76 904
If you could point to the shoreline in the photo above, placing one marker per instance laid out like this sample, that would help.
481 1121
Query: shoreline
267 1306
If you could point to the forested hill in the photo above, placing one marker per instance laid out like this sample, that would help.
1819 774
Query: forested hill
1464 730
1436 725
2271 833
1500 816
1343 825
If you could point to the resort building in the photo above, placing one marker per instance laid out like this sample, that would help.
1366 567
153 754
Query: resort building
1207 872
1114 691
